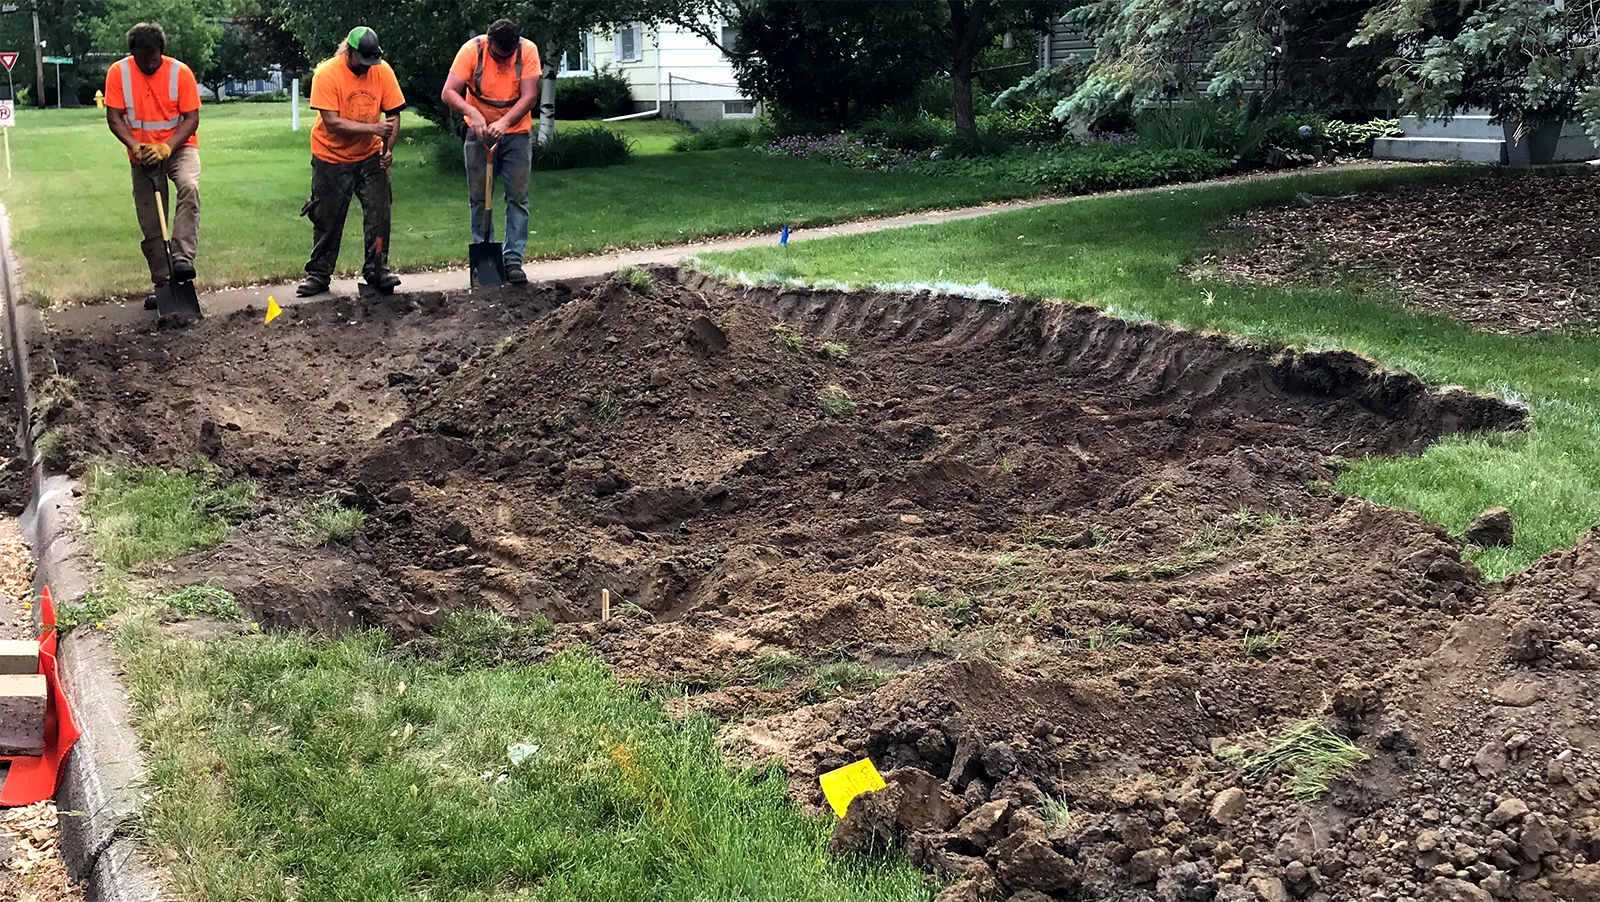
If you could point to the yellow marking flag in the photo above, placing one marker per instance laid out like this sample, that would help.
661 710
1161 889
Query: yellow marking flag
844 784
272 309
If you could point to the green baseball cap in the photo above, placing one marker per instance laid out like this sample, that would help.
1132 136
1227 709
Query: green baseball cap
364 41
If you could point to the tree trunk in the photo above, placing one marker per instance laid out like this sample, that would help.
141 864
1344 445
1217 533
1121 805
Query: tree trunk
966 26
547 105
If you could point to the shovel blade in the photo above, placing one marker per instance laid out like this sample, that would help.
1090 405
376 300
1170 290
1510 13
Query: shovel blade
488 266
177 304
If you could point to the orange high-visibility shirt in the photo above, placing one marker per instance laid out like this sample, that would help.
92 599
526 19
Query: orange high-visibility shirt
494 87
367 97
153 104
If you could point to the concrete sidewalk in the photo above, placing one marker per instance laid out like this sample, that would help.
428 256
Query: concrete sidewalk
229 300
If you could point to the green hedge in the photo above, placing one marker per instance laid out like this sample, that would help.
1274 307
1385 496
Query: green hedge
598 96
1086 168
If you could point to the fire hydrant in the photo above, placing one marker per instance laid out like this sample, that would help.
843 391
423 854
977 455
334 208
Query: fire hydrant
99 100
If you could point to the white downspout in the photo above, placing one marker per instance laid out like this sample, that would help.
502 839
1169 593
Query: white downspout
657 111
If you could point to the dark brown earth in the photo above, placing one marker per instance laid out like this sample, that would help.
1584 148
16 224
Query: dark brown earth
1512 255
1050 529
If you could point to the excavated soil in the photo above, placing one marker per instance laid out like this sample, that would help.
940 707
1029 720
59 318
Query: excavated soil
1047 533
1513 255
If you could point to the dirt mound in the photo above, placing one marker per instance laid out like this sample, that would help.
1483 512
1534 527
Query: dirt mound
1481 781
1451 249
1096 550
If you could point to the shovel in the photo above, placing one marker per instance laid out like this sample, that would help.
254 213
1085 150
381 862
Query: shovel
176 302
485 258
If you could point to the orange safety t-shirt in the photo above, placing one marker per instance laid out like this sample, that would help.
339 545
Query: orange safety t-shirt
152 104
359 98
498 83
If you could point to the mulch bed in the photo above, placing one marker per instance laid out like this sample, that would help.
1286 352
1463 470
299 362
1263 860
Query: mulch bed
1509 255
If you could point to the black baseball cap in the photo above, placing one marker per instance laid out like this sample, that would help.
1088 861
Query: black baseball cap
364 41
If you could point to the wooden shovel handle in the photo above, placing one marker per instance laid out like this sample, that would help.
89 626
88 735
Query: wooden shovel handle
161 212
488 180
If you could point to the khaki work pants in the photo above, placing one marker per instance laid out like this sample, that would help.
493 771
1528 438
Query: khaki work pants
182 169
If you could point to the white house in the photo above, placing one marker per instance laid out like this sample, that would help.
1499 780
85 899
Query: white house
669 67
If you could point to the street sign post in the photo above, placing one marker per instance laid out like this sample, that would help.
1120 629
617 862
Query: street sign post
58 62
8 118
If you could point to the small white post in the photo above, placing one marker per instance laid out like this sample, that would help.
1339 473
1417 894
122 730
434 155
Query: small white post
294 105
605 604
7 133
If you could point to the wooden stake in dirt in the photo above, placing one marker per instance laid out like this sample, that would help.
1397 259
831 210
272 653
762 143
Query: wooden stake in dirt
605 604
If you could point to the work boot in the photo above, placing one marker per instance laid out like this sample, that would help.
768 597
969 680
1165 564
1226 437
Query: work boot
182 271
312 285
150 299
515 275
383 281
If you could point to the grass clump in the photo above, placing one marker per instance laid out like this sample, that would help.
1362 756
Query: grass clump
785 337
1261 645
1109 637
840 677
328 521
957 608
213 600
640 279
771 668
141 515
605 407
296 766
1313 756
833 350
468 639
1057 813
836 402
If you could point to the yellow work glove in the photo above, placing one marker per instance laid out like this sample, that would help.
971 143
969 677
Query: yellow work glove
152 154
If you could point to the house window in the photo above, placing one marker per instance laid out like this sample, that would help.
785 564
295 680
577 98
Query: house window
576 59
730 39
630 41
738 109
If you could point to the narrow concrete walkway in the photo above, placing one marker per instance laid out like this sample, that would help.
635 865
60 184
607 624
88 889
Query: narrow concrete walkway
229 300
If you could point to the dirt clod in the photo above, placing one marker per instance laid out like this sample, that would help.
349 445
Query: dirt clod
1491 529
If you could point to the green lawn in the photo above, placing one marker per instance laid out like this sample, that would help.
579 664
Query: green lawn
1126 255
289 767
73 225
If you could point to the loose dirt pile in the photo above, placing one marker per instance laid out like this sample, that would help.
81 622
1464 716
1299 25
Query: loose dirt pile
1100 566
1502 254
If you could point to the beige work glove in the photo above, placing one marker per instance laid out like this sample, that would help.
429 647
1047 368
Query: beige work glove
152 154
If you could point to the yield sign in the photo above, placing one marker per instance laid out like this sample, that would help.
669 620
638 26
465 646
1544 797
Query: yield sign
8 60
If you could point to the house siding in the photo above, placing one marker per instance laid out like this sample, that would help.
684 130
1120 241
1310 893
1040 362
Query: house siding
696 78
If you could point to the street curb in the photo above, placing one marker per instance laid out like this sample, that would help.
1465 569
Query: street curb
98 796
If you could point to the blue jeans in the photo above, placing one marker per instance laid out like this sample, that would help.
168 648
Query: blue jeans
513 163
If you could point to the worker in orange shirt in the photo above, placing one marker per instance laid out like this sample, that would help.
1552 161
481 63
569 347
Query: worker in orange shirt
358 104
494 84
153 107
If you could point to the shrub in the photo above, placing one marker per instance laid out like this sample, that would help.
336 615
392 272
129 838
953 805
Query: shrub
915 133
1028 125
722 135
603 94
1346 139
582 148
1221 129
268 97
